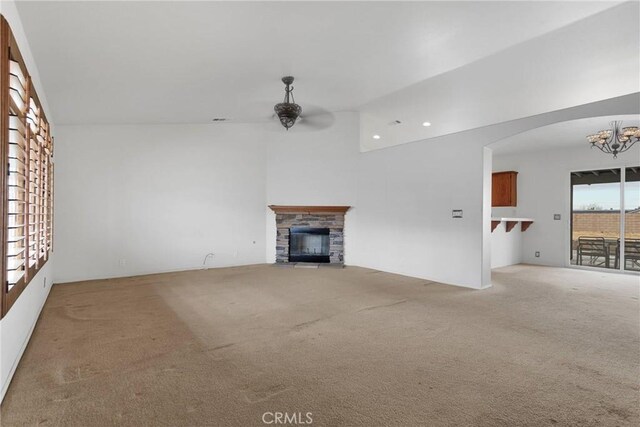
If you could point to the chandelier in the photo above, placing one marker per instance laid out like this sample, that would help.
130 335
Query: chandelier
615 140
288 111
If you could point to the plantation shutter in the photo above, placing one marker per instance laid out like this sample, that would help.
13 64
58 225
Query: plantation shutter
27 175
17 177
48 192
36 187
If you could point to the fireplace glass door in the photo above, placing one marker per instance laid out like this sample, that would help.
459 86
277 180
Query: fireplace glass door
308 244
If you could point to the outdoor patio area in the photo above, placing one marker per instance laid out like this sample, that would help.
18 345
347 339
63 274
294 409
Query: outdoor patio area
596 239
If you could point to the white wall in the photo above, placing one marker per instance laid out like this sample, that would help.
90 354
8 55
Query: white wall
404 220
506 247
402 196
401 199
314 168
544 190
161 197
16 327
152 198
487 168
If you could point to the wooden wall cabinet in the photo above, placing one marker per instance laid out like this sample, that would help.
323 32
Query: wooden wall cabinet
504 188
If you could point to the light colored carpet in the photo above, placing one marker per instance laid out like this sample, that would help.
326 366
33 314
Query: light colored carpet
352 346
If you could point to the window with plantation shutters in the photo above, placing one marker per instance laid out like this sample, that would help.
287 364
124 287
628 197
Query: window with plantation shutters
27 175
17 178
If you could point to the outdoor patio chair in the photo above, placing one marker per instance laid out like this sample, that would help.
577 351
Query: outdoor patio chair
631 253
593 248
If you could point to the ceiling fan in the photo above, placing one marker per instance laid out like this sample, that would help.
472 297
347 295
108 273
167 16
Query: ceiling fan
288 113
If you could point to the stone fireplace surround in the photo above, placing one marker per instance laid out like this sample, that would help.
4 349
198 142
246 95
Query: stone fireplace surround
331 217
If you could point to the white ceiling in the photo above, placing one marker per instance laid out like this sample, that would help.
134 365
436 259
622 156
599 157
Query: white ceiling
187 62
560 70
563 135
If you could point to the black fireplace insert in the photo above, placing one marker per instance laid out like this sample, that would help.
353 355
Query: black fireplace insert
309 244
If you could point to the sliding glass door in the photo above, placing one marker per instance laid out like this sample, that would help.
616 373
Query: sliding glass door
605 218
631 249
595 217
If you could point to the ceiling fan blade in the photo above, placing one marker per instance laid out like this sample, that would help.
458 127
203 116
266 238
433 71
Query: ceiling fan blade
313 110
242 120
316 122
315 118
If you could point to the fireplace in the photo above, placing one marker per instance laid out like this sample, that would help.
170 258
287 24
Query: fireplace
310 234
308 244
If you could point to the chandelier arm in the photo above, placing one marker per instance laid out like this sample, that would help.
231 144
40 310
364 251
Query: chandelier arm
627 145
602 147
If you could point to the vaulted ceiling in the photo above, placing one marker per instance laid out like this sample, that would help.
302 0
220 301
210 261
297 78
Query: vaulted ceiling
188 62
563 135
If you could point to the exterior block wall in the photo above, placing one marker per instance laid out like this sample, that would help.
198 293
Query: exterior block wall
596 223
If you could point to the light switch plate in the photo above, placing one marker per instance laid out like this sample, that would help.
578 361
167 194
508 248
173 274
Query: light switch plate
556 217
456 213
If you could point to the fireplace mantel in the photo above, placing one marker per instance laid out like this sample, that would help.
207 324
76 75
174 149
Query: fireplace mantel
308 209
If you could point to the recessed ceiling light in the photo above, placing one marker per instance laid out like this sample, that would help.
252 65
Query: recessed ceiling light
219 119
376 136
426 124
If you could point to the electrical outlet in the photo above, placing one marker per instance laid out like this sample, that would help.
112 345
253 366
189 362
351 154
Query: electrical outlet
556 217
537 254
122 262
44 284
456 213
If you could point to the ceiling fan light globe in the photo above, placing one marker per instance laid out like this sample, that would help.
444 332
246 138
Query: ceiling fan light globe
288 113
